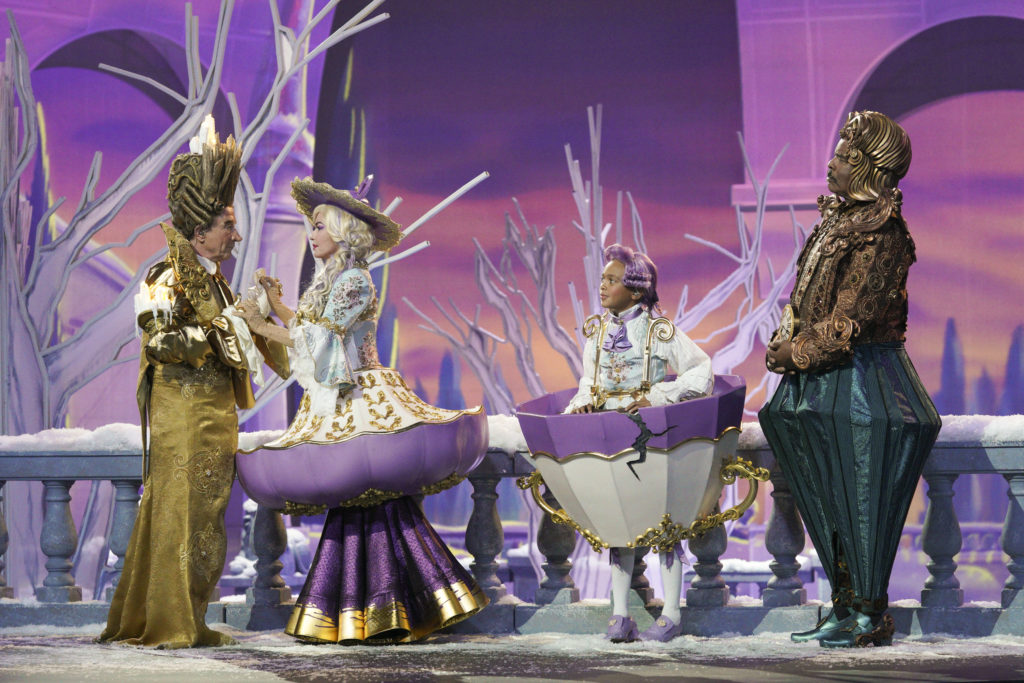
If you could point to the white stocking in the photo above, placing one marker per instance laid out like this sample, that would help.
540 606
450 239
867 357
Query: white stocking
622 577
671 585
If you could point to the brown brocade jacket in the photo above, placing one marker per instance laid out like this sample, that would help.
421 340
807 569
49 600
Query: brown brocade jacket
851 284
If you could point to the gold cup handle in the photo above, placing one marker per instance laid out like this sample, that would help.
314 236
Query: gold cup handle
742 469
533 482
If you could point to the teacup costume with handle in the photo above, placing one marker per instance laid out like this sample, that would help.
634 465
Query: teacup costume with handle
381 573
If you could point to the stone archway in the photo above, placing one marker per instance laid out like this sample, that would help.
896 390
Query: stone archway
958 57
141 52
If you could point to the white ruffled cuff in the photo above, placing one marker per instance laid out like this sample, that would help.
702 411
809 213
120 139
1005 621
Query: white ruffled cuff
322 398
253 358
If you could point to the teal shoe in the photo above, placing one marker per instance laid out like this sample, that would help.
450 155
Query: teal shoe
861 630
825 627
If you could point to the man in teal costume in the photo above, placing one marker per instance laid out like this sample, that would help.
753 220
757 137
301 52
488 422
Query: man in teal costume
851 424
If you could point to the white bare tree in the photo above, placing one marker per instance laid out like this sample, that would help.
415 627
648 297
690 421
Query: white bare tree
41 366
756 315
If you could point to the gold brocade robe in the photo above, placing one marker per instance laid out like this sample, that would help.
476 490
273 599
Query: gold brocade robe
192 375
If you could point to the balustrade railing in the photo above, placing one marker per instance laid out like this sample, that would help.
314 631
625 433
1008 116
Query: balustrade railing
994 446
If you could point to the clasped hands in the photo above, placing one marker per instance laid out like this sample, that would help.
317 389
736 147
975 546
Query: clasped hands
249 308
779 357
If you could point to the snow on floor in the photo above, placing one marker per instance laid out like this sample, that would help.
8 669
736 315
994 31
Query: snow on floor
53 653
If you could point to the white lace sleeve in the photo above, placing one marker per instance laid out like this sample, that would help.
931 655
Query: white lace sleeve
695 377
583 397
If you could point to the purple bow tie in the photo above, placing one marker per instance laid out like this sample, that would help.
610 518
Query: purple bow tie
617 341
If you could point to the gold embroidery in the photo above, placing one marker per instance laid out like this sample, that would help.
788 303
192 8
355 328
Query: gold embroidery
206 471
302 316
315 424
370 497
204 553
419 409
343 424
210 376
367 381
381 398
453 479
303 510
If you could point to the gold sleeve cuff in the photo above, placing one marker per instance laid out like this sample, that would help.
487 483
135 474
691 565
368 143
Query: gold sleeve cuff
186 344
225 342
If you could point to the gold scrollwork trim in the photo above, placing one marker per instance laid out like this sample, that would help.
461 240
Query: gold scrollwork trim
453 479
533 482
302 509
629 451
370 497
366 432
323 322
665 536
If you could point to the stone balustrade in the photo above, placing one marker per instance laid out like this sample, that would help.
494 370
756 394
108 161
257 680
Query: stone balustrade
995 447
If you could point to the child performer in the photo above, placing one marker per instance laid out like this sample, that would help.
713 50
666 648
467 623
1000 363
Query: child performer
612 381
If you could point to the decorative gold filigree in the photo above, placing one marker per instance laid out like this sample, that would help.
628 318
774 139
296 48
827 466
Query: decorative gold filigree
665 537
663 330
448 482
533 482
316 421
206 471
208 377
340 429
303 510
302 316
418 408
367 381
375 401
370 497
204 553
662 538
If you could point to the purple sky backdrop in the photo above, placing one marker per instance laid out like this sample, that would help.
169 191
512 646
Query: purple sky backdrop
455 88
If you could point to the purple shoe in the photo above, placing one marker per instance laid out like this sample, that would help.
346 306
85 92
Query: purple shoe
662 630
621 630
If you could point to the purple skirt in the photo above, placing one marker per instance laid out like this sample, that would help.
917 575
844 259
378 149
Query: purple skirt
382 574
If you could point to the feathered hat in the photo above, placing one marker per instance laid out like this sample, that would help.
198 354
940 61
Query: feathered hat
310 194
202 183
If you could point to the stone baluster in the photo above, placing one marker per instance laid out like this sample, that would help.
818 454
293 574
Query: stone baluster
58 541
269 540
126 509
784 539
556 543
639 581
1012 540
941 540
485 538
708 588
5 590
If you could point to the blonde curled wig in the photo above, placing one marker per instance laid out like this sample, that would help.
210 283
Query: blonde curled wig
879 153
354 239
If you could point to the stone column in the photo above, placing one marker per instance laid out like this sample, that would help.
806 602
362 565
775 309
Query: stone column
784 539
58 541
639 581
556 543
126 509
269 540
1012 540
5 590
708 588
941 540
485 538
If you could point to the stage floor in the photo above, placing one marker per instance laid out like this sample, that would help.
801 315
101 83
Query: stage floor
60 654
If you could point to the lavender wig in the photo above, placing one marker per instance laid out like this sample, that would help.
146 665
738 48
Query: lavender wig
641 274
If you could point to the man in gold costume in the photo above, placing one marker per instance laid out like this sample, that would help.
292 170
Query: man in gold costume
194 370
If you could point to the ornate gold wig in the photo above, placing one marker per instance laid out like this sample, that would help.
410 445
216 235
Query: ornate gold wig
879 152
200 186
